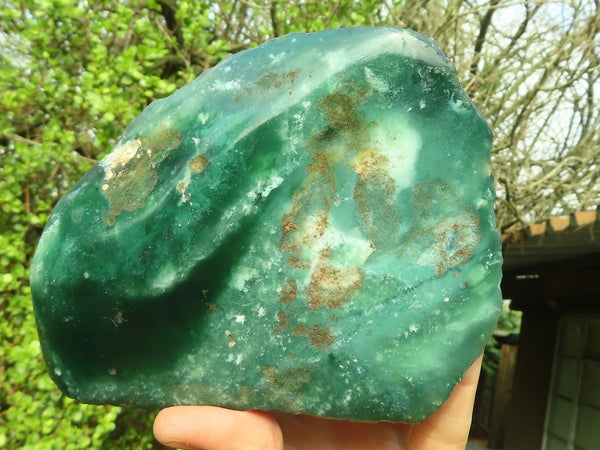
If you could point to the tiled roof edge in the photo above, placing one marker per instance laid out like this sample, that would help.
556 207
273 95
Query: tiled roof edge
575 221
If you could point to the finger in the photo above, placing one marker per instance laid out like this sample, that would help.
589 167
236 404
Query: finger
212 428
448 428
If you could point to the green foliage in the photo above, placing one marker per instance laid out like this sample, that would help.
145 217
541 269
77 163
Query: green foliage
508 323
71 78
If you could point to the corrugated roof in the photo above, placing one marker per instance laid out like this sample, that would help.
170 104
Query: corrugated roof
572 241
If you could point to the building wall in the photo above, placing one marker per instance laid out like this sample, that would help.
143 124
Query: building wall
573 418
527 410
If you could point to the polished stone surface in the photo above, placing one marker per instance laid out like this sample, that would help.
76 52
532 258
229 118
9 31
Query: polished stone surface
307 227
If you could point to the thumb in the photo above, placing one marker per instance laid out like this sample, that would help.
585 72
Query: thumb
448 428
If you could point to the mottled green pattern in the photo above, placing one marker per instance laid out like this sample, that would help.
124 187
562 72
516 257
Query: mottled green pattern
307 227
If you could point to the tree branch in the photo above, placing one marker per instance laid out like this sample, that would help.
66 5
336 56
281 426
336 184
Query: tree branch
483 29
168 10
275 23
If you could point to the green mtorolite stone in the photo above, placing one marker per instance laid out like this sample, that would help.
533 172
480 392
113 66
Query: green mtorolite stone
306 227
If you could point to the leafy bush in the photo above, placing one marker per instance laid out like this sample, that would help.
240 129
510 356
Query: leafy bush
70 80
508 323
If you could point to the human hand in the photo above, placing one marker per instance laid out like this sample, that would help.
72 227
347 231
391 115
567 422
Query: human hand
212 428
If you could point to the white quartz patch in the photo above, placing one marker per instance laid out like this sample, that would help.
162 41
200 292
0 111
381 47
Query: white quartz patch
231 85
119 157
241 276
264 188
240 318
165 278
400 144
357 248
379 84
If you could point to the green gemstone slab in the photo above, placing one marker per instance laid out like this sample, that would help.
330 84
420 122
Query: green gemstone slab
307 227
